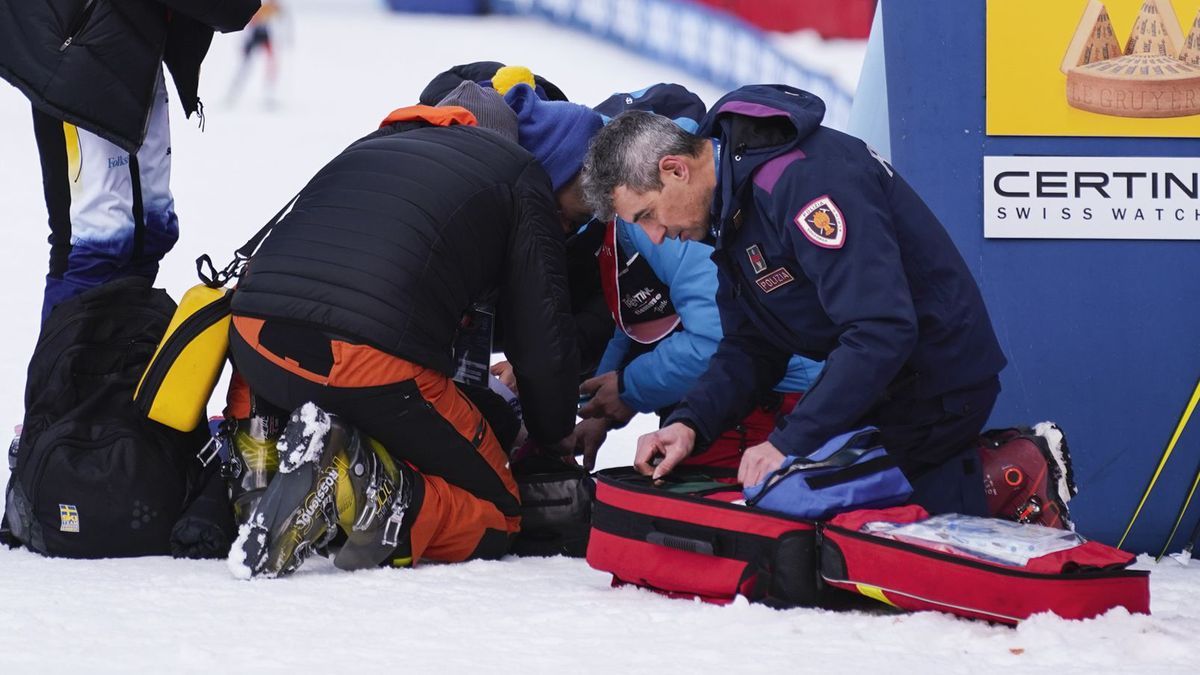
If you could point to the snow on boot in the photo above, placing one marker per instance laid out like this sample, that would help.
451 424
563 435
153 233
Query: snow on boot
374 512
1027 475
297 513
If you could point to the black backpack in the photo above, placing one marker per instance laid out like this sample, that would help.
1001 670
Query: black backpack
93 477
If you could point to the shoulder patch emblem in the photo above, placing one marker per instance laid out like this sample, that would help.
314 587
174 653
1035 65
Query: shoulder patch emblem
822 223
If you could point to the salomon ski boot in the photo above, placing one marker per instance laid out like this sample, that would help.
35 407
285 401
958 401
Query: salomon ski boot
297 513
1027 475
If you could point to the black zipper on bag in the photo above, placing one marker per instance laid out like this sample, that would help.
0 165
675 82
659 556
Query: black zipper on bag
39 469
615 481
79 23
978 564
682 535
81 316
178 341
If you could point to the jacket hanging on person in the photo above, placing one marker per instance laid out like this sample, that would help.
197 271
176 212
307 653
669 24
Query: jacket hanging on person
94 63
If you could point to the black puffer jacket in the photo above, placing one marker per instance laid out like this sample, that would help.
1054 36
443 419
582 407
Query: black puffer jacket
392 241
94 62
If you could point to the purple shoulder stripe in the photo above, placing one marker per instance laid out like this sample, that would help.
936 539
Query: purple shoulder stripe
768 174
751 109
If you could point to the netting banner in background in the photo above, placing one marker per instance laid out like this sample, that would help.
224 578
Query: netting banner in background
722 49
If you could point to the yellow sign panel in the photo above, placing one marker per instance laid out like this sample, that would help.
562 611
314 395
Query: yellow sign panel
1093 68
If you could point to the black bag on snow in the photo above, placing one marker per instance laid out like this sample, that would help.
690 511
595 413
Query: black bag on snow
556 508
93 477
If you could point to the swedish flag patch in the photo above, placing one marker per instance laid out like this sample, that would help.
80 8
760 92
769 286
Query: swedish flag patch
68 518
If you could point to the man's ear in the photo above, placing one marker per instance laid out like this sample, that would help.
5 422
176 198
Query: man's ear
673 167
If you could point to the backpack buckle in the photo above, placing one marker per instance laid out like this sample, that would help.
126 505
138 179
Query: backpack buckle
210 451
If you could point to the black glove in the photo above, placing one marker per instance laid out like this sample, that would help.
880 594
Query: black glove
206 528
199 538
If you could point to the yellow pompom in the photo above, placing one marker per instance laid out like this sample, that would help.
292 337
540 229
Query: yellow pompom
509 76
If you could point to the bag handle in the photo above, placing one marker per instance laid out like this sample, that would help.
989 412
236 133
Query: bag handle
847 455
215 279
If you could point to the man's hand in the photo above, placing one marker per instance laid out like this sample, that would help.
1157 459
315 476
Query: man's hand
564 449
503 371
672 444
589 436
758 462
606 400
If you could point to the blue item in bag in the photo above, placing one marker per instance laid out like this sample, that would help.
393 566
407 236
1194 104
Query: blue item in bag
851 471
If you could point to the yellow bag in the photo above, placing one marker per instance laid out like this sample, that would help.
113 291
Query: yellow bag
181 376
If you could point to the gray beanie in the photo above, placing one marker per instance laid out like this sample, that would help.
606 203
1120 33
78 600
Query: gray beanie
488 107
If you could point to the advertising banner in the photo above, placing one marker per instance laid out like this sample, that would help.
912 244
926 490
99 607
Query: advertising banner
1091 197
1093 68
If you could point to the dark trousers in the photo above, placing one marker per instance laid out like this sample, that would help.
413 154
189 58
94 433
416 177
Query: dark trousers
935 441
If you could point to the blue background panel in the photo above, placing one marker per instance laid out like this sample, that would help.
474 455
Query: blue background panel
1103 337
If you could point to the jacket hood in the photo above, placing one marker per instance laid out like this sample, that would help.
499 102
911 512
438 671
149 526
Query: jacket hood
756 124
444 116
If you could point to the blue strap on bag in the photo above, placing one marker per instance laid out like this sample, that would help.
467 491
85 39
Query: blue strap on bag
851 471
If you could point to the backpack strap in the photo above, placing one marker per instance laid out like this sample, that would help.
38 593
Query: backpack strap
215 279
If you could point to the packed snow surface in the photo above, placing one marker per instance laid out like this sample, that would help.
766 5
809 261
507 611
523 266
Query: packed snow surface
346 66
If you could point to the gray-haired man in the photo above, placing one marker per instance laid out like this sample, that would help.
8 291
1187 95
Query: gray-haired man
821 250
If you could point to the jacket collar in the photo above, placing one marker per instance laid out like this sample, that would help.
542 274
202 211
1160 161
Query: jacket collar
755 124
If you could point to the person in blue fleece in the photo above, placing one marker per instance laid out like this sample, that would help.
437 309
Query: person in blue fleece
668 327
822 249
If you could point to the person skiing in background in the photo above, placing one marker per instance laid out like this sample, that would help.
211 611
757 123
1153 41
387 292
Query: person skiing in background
93 72
822 250
660 348
348 315
261 36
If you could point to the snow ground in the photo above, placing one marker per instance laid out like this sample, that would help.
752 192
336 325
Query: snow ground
348 66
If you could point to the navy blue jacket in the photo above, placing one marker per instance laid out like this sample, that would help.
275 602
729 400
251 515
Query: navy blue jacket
823 250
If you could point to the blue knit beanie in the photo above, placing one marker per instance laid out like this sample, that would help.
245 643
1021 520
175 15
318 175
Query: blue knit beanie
557 133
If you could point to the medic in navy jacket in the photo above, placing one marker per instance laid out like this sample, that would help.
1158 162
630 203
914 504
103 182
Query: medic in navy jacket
655 375
822 250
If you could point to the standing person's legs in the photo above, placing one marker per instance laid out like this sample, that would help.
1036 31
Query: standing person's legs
470 506
111 213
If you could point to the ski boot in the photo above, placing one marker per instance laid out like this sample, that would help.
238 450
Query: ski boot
297 513
253 457
1027 475
330 477
375 512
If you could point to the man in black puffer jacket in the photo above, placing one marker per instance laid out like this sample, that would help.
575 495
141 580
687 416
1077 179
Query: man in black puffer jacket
354 303
93 70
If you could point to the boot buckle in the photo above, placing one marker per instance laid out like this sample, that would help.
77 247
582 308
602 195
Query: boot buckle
392 529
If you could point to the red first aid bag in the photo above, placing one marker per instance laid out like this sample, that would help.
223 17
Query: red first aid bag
1079 581
688 538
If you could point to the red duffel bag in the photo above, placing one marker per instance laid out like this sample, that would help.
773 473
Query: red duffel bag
687 538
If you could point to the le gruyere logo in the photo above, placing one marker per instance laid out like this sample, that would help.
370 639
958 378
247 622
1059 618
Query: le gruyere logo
1157 74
